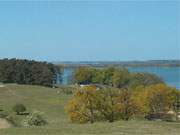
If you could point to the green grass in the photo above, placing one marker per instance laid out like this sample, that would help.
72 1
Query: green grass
52 104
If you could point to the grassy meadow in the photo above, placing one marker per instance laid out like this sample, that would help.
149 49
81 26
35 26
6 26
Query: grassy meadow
52 101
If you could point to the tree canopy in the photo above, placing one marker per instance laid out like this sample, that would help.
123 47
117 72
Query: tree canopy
116 77
90 104
28 72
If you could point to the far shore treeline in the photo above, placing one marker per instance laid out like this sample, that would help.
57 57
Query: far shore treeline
28 72
149 63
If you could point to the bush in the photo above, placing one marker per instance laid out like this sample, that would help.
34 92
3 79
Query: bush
162 117
3 114
19 109
155 116
1 109
12 120
34 119
169 117
67 90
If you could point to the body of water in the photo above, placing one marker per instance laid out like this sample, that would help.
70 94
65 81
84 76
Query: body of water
170 75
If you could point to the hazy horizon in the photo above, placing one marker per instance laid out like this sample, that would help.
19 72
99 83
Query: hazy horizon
90 31
69 61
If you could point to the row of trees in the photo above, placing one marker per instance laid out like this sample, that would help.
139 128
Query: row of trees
90 104
117 77
28 72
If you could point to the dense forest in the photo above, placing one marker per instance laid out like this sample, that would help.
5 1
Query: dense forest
28 72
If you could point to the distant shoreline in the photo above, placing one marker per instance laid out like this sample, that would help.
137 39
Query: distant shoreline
150 63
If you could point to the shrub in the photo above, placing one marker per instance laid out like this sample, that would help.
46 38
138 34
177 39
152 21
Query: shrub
169 117
66 90
162 117
34 119
3 114
19 109
1 109
12 120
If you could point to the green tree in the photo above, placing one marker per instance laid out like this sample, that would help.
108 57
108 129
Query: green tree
145 79
98 76
107 75
28 72
19 108
82 75
120 78
107 103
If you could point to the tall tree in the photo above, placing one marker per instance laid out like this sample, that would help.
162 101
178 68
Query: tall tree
27 72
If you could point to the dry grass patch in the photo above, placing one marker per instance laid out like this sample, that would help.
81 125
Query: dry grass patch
4 123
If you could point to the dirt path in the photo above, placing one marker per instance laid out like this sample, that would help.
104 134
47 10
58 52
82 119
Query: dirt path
4 123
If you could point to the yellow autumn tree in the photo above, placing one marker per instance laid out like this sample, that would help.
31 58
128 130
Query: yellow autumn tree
81 108
107 104
90 104
117 104
128 104
159 98
139 98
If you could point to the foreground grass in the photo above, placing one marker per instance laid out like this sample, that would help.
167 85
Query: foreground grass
51 102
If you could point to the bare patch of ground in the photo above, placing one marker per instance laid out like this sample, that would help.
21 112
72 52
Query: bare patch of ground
4 124
1 85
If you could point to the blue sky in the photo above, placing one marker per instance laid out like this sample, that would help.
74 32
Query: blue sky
89 31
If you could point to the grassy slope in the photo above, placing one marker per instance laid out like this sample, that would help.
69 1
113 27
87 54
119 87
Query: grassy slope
52 104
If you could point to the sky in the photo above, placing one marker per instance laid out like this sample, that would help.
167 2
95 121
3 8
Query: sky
90 31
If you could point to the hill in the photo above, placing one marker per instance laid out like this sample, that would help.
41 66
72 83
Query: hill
51 102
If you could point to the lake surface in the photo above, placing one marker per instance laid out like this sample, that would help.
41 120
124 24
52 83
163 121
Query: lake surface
170 75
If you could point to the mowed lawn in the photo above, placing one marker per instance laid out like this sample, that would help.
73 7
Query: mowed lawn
51 102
